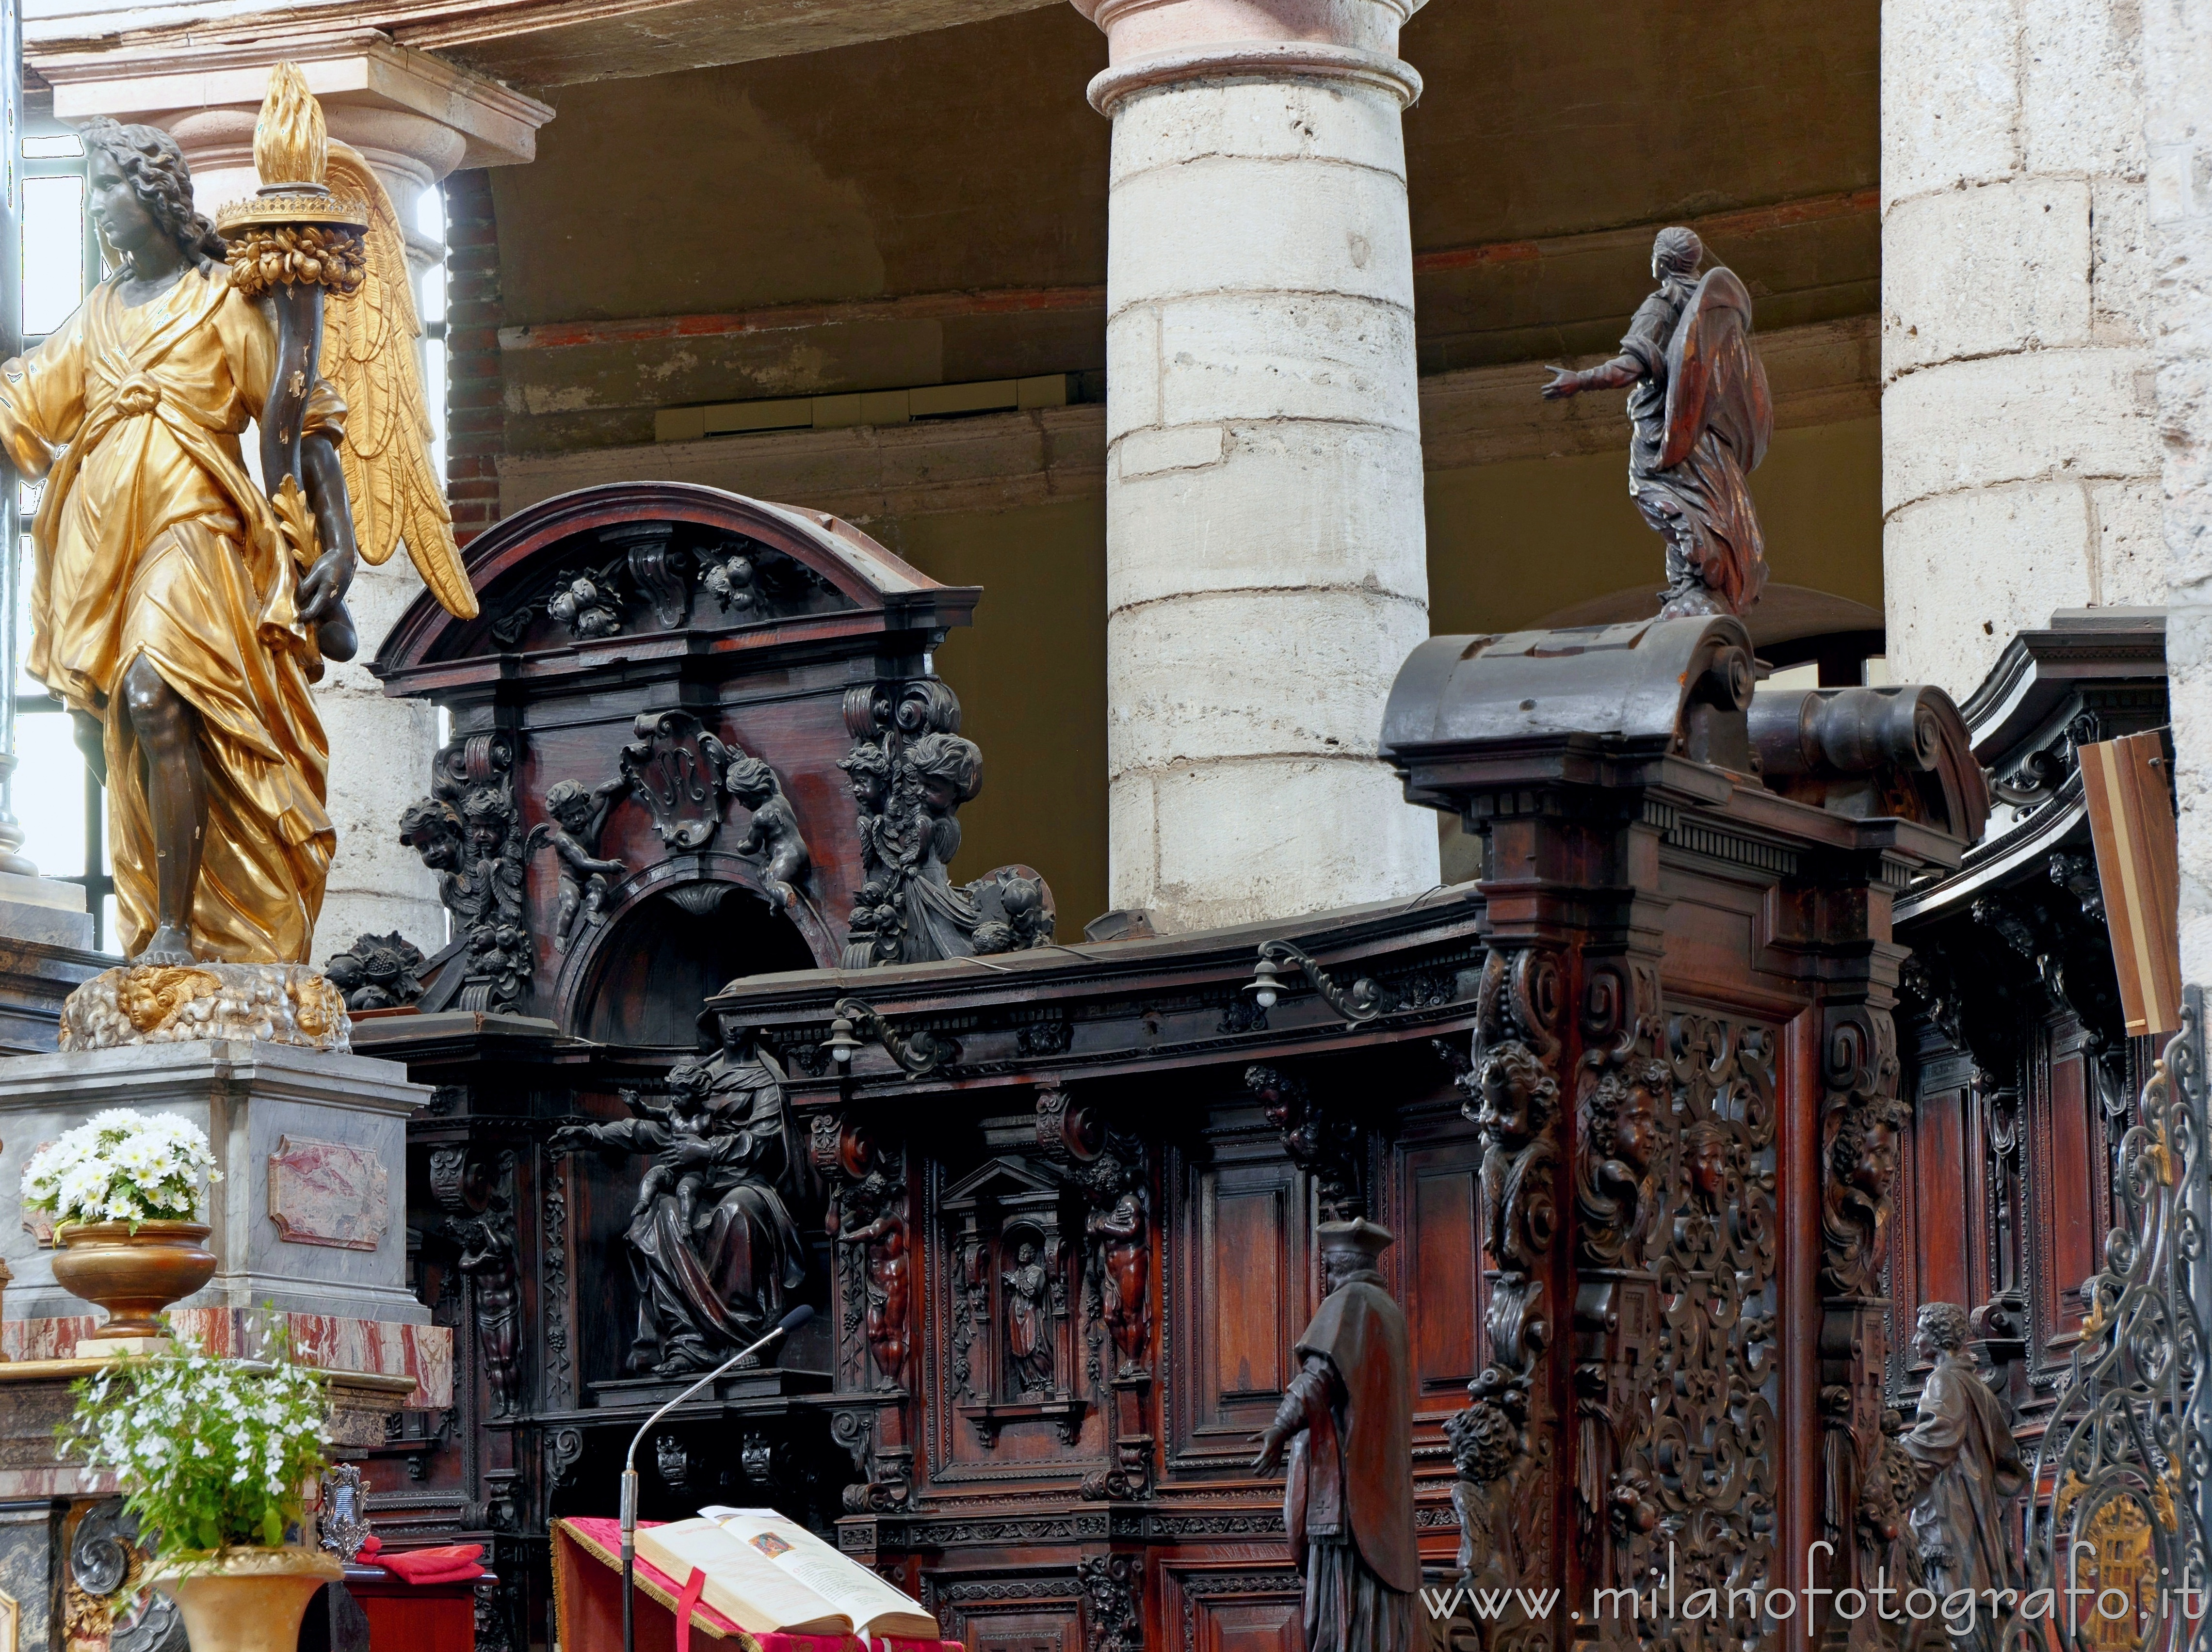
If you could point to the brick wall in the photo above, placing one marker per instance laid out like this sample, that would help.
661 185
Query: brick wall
475 421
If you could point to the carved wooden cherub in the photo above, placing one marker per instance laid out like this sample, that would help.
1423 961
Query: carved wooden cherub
578 813
677 1169
773 838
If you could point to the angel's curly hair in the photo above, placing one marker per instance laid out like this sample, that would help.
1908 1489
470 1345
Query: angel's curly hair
156 167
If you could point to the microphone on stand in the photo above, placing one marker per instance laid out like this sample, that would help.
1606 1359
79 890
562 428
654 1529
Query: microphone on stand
790 1322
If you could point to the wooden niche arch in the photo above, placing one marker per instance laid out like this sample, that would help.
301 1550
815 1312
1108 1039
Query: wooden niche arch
655 645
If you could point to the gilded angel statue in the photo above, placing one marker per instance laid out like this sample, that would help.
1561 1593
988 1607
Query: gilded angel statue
1701 417
179 610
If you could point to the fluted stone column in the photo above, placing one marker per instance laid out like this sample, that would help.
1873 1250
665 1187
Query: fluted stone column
1265 552
2020 445
415 119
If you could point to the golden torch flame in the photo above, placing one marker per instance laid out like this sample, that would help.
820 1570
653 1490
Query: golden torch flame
290 148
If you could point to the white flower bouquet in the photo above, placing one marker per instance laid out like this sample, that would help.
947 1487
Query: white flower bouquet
122 1167
210 1453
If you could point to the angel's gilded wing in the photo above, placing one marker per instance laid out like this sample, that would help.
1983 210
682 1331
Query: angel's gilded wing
1715 380
369 358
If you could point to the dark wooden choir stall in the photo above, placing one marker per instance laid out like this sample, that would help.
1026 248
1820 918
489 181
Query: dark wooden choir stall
1628 1109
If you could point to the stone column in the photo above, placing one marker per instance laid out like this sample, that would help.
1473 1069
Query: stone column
2020 453
415 119
1267 567
2178 132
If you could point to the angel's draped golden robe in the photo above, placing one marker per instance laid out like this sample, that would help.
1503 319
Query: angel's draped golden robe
152 540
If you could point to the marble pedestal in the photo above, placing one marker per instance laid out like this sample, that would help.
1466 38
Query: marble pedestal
310 1216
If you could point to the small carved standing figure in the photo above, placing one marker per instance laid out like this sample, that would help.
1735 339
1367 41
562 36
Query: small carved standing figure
1121 1258
1969 1472
578 812
1028 1321
488 1258
1349 1504
882 1240
1702 419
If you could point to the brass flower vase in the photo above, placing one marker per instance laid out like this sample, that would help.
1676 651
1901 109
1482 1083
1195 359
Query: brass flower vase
134 1275
246 1600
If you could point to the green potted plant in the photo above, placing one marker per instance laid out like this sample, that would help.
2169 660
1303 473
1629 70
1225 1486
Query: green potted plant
123 1189
215 1458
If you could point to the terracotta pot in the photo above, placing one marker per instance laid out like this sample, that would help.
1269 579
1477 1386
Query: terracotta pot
134 1275
246 1600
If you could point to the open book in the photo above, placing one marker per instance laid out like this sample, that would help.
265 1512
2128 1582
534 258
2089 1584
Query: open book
771 1576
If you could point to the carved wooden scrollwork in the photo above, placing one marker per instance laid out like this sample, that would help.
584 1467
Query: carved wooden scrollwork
1625 1113
1113 1602
1714 1432
1861 1119
1501 1443
868 1224
475 1187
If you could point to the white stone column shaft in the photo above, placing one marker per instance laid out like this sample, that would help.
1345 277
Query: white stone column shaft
2019 457
2178 131
1266 549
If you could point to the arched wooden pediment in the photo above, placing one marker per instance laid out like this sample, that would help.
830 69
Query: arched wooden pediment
646 566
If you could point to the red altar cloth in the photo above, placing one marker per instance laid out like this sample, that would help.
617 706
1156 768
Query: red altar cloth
587 1605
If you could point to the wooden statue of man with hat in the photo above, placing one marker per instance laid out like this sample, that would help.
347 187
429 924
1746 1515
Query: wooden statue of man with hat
1349 1419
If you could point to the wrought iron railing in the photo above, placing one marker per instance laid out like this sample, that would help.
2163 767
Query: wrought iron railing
2120 1528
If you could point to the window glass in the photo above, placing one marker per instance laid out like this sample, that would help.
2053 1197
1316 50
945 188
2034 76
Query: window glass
53 252
50 794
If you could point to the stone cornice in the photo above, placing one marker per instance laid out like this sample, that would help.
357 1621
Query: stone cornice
179 68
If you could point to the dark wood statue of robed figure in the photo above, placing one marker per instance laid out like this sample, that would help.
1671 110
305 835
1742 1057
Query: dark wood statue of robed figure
1347 1417
1702 419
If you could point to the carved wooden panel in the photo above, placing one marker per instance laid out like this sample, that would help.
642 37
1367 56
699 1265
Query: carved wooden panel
1241 1294
1938 1175
1436 1212
1010 1614
2070 1230
1248 1609
987 1630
